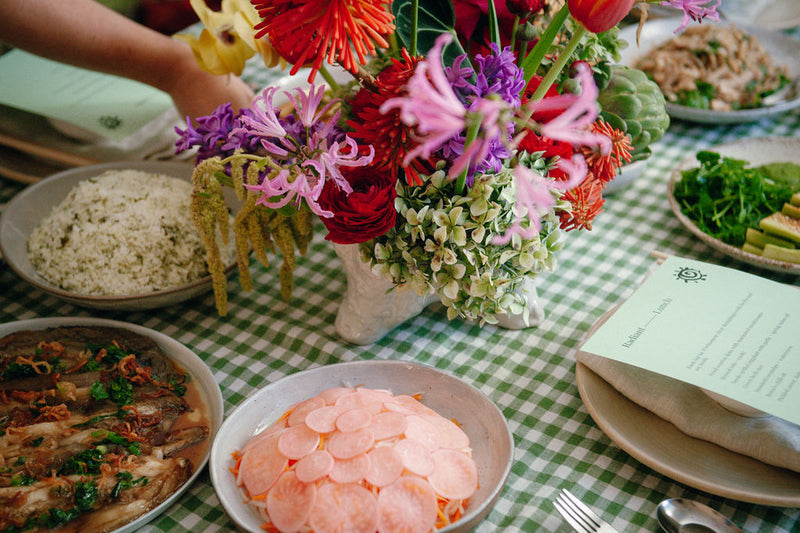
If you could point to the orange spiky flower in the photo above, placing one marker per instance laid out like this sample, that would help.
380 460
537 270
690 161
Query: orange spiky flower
311 31
604 167
587 202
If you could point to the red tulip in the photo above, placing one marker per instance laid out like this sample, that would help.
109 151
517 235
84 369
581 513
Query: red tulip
598 16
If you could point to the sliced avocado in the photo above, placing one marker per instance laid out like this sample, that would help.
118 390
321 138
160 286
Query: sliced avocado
781 254
752 249
791 210
759 239
782 226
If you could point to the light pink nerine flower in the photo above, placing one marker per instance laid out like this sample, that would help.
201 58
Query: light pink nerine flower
694 10
535 196
573 125
430 105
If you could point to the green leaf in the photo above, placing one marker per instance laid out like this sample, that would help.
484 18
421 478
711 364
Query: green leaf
435 17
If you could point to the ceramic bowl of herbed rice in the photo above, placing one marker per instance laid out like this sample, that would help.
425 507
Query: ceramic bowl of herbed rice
112 236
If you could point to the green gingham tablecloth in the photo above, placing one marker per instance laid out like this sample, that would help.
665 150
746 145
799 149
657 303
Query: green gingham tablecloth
529 374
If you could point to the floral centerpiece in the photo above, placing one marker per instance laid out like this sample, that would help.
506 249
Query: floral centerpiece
468 142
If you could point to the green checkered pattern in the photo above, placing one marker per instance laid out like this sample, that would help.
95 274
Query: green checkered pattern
529 374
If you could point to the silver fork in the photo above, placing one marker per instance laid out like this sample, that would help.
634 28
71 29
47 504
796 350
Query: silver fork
578 515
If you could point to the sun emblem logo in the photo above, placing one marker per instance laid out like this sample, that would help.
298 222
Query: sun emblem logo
110 122
687 274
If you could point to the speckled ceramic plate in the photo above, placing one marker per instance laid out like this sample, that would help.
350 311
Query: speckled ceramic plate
757 152
782 48
24 212
490 439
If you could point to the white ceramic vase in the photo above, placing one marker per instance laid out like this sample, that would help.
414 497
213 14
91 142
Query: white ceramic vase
372 306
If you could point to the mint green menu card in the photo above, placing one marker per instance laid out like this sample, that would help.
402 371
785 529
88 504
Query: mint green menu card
112 107
734 333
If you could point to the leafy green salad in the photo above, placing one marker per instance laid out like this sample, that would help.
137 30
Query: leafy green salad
725 196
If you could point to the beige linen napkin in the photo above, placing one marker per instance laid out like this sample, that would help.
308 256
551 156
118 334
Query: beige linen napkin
769 439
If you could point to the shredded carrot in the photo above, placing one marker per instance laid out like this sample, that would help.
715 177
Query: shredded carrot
262 496
417 396
269 527
285 415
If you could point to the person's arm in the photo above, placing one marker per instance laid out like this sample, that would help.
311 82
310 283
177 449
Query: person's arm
87 34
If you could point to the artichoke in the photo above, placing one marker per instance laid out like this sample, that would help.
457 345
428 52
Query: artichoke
633 103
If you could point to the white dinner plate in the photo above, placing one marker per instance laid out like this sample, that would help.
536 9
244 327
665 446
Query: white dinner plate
783 49
183 357
26 210
757 152
490 438
697 463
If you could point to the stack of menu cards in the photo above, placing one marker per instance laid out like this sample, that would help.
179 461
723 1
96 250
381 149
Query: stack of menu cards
727 331
111 107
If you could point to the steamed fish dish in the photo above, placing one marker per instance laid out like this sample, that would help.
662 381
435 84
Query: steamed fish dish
360 460
96 429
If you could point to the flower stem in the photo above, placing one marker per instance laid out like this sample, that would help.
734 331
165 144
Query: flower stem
328 77
560 63
514 33
534 58
472 134
414 23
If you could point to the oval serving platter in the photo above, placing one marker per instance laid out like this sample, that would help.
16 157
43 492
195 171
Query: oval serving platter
183 357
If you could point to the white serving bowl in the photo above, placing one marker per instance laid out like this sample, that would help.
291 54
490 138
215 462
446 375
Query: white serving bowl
490 438
26 210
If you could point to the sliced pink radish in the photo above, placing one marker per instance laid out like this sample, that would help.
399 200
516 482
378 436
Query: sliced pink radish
385 466
314 466
353 420
416 457
331 395
348 445
421 429
361 399
298 441
408 405
408 505
448 434
340 508
261 466
323 420
455 475
350 470
301 410
388 424
289 502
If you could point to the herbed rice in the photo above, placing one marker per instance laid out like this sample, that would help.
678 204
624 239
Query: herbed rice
124 232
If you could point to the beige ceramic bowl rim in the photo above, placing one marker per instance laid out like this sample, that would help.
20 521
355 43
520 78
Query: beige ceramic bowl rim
166 167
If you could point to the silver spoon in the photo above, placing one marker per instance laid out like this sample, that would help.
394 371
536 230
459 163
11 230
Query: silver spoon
679 515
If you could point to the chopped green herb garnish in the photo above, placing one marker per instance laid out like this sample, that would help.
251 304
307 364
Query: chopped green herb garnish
22 480
85 495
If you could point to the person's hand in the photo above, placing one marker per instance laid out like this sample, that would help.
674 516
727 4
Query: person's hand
197 93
